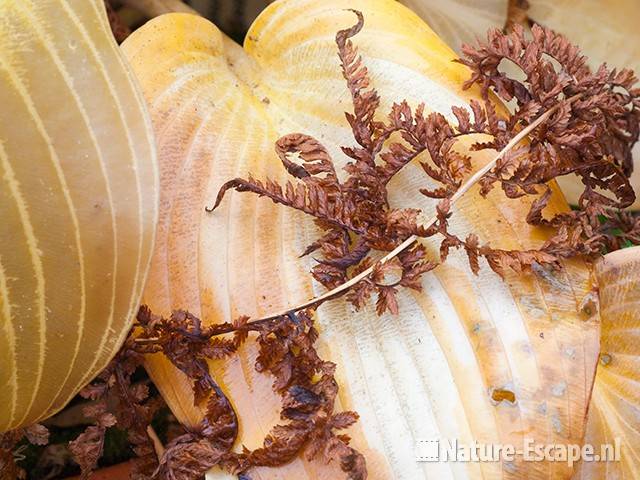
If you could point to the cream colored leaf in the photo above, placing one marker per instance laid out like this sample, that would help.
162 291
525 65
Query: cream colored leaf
614 412
606 33
461 21
78 202
432 371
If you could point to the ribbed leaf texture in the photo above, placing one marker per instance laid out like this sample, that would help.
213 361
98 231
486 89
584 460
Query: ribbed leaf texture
78 202
615 404
472 358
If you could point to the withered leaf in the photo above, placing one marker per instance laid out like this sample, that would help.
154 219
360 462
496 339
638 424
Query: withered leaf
594 122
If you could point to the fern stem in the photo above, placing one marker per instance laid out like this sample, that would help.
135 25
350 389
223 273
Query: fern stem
475 178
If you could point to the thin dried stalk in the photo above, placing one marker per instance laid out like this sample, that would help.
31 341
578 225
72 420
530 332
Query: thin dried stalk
157 443
341 289
591 137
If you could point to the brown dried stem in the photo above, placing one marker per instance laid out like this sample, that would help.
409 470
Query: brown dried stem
475 178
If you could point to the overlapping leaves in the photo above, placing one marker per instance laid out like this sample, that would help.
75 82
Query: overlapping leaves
593 123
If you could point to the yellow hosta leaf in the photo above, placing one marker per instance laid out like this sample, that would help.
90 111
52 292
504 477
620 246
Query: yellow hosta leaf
461 21
78 202
451 362
615 404
607 32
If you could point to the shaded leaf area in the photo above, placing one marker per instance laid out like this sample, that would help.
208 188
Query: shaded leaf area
117 400
232 16
13 445
119 28
593 123
53 459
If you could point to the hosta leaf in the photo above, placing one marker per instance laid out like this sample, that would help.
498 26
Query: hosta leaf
615 405
604 34
450 362
461 21
78 202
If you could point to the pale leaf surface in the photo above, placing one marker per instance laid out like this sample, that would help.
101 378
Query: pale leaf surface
428 372
78 202
461 21
615 405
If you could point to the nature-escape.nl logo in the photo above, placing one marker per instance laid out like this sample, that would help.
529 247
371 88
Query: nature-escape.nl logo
451 450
